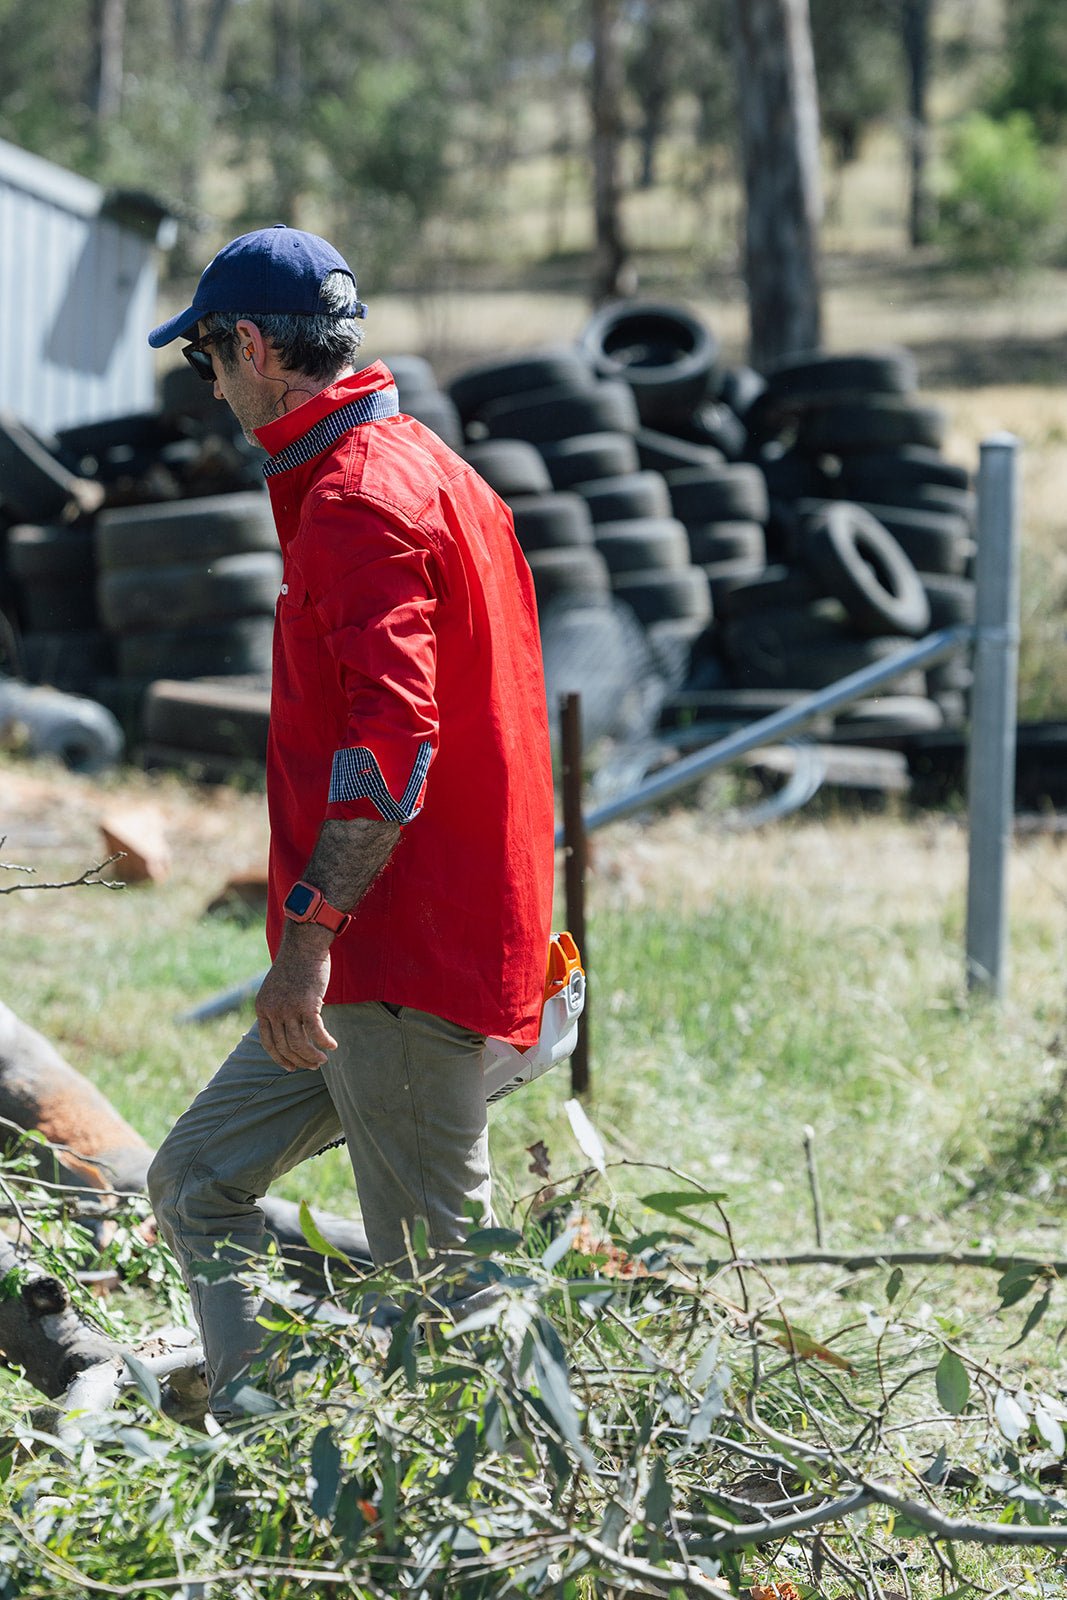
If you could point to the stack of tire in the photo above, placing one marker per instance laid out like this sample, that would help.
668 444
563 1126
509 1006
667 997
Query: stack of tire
873 532
770 534
566 447
186 590
51 631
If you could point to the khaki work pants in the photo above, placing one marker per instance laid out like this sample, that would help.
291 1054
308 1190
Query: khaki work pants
405 1089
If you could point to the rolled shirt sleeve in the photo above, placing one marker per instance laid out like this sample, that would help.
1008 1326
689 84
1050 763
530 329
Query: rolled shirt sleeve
373 587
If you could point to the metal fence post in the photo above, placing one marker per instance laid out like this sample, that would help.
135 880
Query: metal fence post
574 866
991 755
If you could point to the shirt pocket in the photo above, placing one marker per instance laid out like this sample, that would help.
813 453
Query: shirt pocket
296 645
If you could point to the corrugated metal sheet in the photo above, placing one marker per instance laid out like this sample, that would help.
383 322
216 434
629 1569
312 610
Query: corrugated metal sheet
77 297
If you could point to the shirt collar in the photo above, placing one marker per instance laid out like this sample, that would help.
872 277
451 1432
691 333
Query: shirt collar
279 435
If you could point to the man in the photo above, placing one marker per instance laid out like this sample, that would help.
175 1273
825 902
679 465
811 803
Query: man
409 790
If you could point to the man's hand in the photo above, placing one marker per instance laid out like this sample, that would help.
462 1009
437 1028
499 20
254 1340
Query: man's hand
289 1002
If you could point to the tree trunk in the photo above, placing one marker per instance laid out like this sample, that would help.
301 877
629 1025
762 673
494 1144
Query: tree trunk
108 29
916 19
610 259
780 149
287 154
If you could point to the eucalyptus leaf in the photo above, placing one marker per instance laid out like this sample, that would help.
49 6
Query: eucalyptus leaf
1015 1284
325 1472
317 1240
1011 1418
589 1141
466 1454
952 1383
658 1498
145 1382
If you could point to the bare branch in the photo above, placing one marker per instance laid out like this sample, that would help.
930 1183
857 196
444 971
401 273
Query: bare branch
86 879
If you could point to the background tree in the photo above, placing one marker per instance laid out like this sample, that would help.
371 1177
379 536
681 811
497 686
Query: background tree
916 35
857 67
606 90
1034 76
779 124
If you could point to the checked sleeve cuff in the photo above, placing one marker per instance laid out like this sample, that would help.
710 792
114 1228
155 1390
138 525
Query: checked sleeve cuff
356 775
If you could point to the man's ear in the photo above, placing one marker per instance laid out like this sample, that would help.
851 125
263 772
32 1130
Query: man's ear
251 345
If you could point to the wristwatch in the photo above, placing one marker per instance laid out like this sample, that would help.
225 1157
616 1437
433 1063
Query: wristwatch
305 903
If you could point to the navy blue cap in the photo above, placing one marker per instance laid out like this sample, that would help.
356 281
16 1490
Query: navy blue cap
275 269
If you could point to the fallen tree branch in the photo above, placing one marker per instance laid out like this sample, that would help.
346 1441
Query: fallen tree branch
903 1258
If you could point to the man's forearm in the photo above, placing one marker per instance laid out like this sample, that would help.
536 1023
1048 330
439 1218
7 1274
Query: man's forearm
348 857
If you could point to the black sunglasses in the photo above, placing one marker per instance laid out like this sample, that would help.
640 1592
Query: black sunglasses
198 358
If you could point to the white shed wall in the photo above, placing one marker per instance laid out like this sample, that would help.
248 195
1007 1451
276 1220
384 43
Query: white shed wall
77 298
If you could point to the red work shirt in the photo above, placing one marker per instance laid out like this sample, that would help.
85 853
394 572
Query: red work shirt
407 684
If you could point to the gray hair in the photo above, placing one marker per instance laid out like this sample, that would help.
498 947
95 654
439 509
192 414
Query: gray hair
316 344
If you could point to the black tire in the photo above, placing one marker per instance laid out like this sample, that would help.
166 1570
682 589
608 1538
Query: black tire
774 587
727 494
671 645
912 464
551 521
935 497
766 640
951 600
955 675
727 707
73 661
186 398
185 530
588 456
872 423
792 476
551 414
632 495
643 544
50 555
413 375
510 466
888 720
662 452
802 378
934 541
715 427
856 560
954 707
740 388
665 353
572 573
220 718
727 541
817 666
139 431
479 386
241 645
658 596
139 599
436 412
724 577
58 607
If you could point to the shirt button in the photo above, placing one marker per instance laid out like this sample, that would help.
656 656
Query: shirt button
285 588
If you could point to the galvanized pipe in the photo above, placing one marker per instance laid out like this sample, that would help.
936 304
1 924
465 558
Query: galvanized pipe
991 756
769 729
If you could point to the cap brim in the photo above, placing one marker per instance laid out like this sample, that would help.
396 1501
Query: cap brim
173 328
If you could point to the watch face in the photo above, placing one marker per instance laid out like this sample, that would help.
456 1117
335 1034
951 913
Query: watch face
299 899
